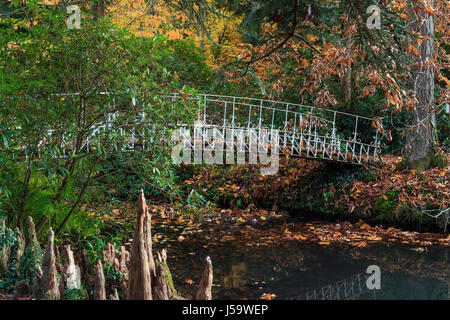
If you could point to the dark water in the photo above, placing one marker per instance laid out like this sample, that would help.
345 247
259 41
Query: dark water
305 271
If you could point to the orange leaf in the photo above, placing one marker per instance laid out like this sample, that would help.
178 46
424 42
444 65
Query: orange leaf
365 226
268 296
299 237
414 49
391 99
445 79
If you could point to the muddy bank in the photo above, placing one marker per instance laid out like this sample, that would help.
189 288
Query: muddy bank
388 195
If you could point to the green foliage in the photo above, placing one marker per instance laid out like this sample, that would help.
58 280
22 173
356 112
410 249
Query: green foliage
403 211
30 261
9 175
384 207
195 199
402 165
439 160
112 274
27 267
76 294
121 176
94 246
443 129
8 237
186 62
370 176
50 79
167 274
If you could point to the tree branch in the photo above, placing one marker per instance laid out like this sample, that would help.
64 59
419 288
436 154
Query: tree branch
281 44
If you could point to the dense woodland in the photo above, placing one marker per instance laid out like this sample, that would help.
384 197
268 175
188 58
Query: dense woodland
68 213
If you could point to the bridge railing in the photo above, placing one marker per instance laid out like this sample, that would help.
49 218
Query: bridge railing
254 112
302 130
350 288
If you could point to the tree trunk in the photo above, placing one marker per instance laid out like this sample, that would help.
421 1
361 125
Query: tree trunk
60 270
99 283
31 238
346 80
124 264
160 288
4 256
114 295
419 148
84 264
72 272
4 252
30 262
205 286
49 282
109 257
98 9
140 282
148 242
18 251
163 288
124 261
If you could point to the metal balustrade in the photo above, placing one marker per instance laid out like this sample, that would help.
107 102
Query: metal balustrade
346 289
237 122
300 130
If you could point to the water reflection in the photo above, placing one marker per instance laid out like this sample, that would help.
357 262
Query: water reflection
347 289
306 271
237 277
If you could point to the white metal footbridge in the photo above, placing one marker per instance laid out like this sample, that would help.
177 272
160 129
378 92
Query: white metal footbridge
290 129
287 128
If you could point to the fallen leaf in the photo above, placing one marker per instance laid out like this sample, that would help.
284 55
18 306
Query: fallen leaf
299 237
364 226
267 296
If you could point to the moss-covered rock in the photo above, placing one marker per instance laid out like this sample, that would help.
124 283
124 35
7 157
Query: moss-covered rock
439 160
384 208
370 176
402 165
432 160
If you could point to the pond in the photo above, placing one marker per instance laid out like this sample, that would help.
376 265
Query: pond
295 270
